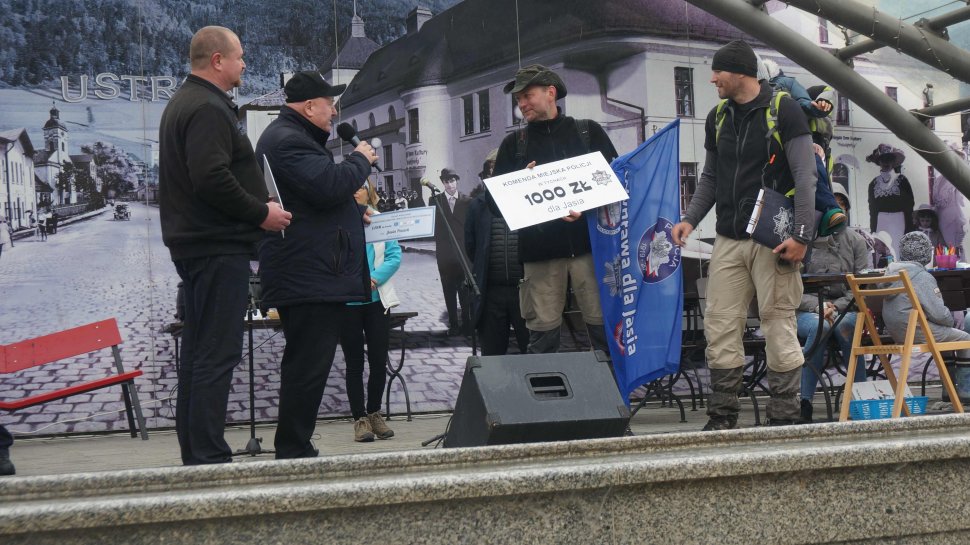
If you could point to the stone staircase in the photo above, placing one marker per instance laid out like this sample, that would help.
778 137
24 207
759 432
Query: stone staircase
905 480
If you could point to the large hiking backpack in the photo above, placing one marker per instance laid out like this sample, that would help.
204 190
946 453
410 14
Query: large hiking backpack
771 117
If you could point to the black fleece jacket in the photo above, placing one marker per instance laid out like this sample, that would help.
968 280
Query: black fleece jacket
547 142
211 192
744 158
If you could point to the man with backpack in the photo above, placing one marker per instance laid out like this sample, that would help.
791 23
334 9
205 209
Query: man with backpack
556 252
742 157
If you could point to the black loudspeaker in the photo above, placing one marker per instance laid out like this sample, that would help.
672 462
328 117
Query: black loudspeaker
536 397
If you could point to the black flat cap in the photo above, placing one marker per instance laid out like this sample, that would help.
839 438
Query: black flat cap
309 85
536 74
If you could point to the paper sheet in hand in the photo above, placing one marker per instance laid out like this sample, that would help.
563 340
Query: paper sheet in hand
405 224
270 181
548 192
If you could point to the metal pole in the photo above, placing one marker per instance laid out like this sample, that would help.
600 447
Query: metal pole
936 24
806 54
947 19
924 44
946 108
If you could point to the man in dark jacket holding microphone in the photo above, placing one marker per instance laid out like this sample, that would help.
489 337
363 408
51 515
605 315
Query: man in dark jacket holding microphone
320 263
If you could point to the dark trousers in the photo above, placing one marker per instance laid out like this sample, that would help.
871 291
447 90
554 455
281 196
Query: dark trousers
452 286
500 310
5 440
365 322
216 296
312 332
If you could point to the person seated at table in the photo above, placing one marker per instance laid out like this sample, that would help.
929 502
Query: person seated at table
842 252
882 250
370 321
915 253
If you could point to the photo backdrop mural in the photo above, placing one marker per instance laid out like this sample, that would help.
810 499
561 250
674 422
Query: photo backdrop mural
83 85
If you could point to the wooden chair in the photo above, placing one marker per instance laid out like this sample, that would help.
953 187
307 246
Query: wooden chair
905 350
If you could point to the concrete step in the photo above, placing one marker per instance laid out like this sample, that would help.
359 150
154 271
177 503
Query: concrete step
833 482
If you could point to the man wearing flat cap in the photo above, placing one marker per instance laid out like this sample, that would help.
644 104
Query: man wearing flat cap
213 207
319 264
555 253
455 208
741 159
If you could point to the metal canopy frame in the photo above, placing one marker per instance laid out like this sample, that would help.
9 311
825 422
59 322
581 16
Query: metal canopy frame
926 41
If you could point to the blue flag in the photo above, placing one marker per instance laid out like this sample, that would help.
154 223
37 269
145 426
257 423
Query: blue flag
639 264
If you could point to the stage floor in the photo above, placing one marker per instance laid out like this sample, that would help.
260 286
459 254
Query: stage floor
118 451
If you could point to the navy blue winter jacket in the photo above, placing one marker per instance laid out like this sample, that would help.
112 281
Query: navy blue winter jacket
321 257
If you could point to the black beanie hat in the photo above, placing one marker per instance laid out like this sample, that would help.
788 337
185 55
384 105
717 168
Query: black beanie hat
737 57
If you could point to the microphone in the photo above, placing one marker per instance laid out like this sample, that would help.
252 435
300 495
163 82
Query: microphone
429 185
347 133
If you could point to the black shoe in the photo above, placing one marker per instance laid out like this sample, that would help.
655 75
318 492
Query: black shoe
722 422
807 411
6 466
453 331
628 432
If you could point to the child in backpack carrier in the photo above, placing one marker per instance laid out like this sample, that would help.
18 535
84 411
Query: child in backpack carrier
817 108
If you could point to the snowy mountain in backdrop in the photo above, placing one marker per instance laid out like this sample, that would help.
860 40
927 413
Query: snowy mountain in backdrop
42 40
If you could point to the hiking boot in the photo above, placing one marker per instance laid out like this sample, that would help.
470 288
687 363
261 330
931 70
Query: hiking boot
807 409
362 431
379 427
6 466
721 422
784 405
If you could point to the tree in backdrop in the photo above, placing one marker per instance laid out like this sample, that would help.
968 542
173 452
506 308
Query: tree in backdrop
73 178
113 167
64 181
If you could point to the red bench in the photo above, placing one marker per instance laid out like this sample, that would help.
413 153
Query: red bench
74 342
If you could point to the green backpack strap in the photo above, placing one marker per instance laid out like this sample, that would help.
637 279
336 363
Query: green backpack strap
719 118
772 120
771 116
